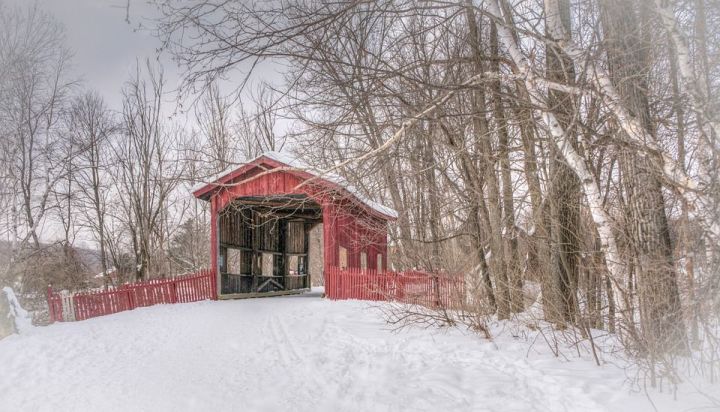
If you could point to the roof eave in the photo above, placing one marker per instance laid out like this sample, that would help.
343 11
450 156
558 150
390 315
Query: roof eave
205 192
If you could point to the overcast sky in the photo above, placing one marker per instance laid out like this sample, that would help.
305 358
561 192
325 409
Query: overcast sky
104 45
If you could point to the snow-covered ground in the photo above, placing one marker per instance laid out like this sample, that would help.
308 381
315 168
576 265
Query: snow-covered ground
299 353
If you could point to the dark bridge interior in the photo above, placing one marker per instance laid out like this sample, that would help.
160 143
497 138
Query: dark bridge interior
264 245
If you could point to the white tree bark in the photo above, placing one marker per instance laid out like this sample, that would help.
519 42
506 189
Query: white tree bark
698 100
590 186
696 91
639 135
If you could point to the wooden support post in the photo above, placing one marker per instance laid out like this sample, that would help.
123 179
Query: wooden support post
282 245
254 245
214 248
307 281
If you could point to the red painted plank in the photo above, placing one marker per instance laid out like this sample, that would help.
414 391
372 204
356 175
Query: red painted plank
185 288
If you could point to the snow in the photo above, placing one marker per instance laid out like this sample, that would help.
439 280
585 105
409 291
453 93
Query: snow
298 353
217 176
23 322
109 273
297 163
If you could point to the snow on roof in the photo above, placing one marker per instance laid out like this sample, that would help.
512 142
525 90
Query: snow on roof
214 178
296 163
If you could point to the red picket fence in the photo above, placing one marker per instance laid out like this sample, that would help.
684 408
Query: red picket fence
414 287
84 305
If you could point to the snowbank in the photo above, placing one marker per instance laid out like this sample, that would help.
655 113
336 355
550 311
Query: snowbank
18 316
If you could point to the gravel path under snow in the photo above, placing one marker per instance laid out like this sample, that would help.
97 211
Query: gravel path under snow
299 353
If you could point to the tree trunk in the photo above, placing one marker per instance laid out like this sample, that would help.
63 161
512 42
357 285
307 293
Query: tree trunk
687 251
512 258
564 189
660 312
482 261
478 212
483 136
560 139
540 234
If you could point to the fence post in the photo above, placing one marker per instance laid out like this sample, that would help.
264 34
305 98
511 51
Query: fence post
342 276
336 283
77 303
51 309
173 292
213 279
131 297
328 281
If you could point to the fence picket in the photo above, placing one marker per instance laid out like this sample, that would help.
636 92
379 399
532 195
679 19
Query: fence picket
414 287
184 288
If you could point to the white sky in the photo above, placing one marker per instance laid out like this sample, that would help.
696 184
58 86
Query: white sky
105 47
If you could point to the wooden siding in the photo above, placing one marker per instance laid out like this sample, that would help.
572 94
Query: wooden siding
344 222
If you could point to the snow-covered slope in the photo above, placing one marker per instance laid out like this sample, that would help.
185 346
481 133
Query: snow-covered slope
298 353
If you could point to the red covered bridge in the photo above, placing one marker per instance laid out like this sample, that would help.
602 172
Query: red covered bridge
275 219
276 223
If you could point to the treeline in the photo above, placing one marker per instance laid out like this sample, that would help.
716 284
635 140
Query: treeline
73 169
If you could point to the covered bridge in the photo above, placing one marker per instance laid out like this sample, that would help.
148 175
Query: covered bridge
275 219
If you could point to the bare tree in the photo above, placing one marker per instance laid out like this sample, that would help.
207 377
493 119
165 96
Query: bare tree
92 125
661 313
214 116
565 193
34 90
147 172
255 126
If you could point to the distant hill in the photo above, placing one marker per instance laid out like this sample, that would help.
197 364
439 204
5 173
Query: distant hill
90 258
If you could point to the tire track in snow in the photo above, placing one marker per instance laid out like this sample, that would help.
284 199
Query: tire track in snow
291 359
